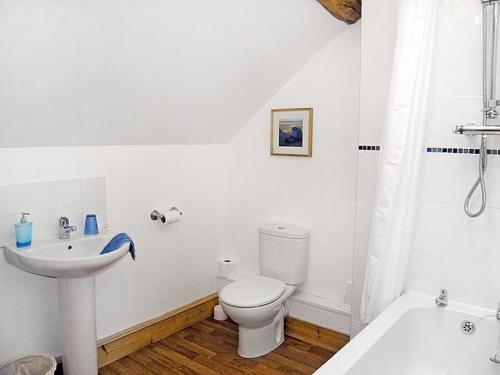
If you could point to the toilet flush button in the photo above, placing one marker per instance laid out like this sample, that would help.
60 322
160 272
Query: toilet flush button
281 228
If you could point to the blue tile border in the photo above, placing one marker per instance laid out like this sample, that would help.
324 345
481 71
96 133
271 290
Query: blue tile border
456 150
439 150
369 148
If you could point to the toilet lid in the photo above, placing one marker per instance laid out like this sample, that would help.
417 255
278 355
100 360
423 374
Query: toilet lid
252 292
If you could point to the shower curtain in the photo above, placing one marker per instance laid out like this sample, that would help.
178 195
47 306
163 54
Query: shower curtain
398 178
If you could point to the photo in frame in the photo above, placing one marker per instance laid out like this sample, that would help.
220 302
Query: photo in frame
291 131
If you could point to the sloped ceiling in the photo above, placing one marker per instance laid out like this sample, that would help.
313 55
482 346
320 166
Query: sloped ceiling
103 72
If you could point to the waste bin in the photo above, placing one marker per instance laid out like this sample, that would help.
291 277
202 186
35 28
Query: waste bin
39 364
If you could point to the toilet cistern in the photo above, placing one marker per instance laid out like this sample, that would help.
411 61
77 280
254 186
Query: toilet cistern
257 303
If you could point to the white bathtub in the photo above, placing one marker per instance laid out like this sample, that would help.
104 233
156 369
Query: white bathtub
414 336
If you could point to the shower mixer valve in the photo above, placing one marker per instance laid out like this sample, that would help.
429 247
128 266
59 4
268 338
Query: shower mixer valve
490 104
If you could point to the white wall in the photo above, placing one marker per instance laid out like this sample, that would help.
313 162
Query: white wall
316 192
107 72
452 250
377 50
73 80
138 179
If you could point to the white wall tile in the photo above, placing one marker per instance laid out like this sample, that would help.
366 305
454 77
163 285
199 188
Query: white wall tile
364 212
459 22
379 26
41 196
367 171
376 69
449 178
371 121
45 224
47 201
445 114
468 279
457 71
93 191
68 193
445 227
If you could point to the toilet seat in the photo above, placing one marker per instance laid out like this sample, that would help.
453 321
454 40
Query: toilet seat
252 292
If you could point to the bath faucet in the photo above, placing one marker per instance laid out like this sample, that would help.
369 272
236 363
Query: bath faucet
442 300
64 228
496 356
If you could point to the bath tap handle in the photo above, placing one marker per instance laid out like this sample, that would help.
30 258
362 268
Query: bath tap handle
442 300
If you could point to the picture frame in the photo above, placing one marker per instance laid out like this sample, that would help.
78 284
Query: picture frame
292 132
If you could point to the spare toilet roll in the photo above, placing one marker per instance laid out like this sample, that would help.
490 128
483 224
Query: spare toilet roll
219 314
227 267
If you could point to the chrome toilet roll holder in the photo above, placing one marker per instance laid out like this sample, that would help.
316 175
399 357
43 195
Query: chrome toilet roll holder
158 216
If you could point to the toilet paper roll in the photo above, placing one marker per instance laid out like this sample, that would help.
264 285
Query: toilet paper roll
227 267
219 314
172 216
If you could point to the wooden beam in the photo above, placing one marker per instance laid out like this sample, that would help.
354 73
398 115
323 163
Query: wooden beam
314 334
348 11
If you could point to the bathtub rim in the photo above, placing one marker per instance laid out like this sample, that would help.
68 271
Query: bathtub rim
368 337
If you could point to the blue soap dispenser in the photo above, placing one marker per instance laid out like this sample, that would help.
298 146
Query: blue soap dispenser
24 230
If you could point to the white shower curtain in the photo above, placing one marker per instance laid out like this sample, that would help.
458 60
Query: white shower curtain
398 177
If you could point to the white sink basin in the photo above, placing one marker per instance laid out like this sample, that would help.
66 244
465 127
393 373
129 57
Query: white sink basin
67 259
74 263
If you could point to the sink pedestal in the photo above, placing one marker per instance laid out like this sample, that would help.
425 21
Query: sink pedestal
78 326
74 262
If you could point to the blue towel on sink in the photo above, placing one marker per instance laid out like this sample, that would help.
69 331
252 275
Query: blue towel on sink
117 241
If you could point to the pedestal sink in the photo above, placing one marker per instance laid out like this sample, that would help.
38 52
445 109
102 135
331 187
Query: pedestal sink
74 263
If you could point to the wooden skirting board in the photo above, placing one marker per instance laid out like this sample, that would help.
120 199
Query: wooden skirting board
135 338
118 346
314 334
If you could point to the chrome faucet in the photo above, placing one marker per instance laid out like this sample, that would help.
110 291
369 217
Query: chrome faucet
64 228
442 300
496 356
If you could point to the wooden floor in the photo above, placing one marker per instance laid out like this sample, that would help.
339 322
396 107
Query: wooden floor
209 347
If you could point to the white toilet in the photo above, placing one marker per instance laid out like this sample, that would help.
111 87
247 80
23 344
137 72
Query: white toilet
257 303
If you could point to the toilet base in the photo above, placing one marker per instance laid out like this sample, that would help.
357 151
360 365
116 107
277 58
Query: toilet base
255 342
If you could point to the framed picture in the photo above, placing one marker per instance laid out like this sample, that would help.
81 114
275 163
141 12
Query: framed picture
291 131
